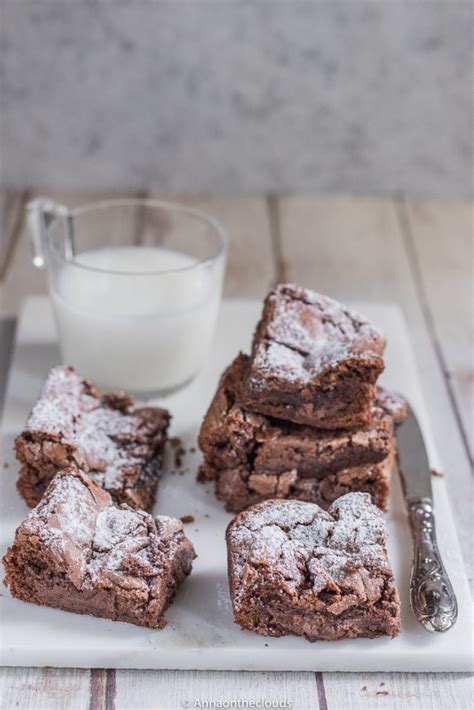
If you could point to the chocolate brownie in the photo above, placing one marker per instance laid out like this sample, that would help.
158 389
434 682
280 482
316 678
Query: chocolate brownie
118 445
232 437
79 552
392 404
313 361
297 569
238 489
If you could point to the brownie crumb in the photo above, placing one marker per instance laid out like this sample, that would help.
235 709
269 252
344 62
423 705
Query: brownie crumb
206 515
187 519
382 692
382 684
437 474
266 645
192 450
179 451
5 465
364 687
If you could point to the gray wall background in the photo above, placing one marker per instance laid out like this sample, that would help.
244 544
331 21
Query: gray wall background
227 95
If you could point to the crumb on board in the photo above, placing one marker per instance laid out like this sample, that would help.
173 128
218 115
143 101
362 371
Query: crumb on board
187 519
437 474
382 692
5 465
178 449
382 684
192 450
364 687
206 515
266 645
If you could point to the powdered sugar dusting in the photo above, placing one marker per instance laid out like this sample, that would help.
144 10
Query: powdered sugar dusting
101 438
289 540
91 538
67 512
61 398
306 333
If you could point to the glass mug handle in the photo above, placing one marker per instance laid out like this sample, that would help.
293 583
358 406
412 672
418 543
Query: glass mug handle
40 213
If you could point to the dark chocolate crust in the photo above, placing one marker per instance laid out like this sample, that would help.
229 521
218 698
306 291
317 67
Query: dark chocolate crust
296 569
118 445
233 437
313 361
79 552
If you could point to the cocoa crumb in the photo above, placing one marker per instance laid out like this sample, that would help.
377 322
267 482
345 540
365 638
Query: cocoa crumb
437 474
5 465
382 684
364 687
178 449
192 450
266 645
382 692
187 519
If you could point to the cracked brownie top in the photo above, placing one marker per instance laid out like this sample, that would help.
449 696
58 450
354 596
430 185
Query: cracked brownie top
96 544
303 334
73 423
297 548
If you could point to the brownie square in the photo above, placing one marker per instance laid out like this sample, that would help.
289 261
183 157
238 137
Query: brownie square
79 552
297 569
118 445
313 361
252 457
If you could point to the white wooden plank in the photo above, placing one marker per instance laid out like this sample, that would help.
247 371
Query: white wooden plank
353 249
393 691
148 690
442 235
44 689
250 265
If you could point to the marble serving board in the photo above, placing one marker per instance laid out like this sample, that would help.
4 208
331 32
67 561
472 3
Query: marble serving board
200 633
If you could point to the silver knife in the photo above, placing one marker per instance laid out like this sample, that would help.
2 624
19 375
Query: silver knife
431 594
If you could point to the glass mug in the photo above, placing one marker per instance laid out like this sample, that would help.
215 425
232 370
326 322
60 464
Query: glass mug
135 286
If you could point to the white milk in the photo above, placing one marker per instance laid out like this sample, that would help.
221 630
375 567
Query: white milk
139 331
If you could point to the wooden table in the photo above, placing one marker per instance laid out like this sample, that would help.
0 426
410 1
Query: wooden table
414 253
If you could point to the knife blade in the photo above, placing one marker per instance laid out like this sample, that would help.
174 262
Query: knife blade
432 597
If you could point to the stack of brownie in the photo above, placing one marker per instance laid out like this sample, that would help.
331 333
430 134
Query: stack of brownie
90 463
302 416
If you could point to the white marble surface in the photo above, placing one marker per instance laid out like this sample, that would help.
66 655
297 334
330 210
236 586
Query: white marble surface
200 633
192 95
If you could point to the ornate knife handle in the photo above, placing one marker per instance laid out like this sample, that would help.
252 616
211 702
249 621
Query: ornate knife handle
432 597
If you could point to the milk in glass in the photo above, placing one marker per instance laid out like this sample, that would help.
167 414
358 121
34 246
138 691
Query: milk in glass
138 318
